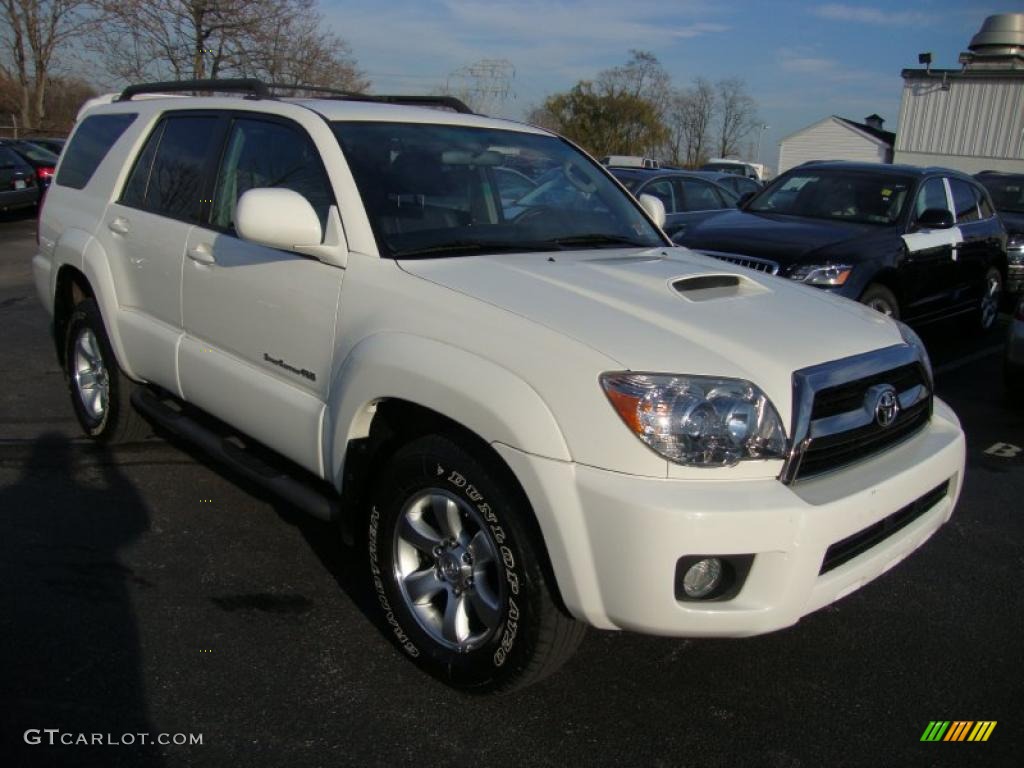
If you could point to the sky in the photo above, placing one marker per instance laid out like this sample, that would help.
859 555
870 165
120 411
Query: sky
802 61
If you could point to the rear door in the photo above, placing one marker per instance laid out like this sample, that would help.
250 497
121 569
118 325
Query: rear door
144 233
259 322
980 246
927 272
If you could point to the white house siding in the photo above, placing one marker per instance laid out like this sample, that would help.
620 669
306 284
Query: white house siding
977 123
830 139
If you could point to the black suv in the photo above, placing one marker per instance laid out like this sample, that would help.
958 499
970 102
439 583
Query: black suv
1007 191
918 244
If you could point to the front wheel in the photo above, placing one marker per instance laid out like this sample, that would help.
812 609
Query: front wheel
881 299
456 569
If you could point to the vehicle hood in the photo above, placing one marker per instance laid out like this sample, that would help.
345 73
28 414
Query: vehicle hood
785 239
624 304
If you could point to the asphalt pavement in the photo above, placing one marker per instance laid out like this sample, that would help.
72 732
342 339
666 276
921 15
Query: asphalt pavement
145 591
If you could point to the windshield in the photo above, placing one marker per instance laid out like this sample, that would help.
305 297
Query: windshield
854 197
1007 192
441 190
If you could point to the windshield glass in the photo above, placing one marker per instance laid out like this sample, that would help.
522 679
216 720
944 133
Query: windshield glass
860 198
440 190
1007 192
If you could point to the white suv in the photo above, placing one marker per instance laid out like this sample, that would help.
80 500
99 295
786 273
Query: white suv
531 409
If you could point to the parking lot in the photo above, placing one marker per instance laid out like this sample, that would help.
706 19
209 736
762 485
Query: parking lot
146 591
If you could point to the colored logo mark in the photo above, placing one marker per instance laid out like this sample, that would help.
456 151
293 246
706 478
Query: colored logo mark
958 730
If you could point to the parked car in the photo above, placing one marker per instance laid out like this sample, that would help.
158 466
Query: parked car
49 143
688 197
630 161
918 244
1014 358
524 423
43 161
739 185
736 167
18 188
1007 191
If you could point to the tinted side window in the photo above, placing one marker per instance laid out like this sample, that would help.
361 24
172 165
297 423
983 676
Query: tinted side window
932 195
91 142
965 201
699 196
171 182
268 154
984 206
662 189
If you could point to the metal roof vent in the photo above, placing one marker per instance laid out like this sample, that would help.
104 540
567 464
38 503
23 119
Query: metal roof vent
999 36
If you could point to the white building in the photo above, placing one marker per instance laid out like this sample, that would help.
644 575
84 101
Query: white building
972 118
837 138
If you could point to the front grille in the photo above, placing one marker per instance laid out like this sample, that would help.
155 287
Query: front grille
835 419
824 454
850 396
845 550
758 265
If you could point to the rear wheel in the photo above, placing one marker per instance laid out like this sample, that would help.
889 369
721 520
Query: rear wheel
100 393
881 299
456 569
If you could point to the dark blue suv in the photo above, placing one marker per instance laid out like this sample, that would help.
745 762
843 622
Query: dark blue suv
918 244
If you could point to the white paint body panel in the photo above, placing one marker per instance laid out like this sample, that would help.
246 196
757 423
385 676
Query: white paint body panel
512 348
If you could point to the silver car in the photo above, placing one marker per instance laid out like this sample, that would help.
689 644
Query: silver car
1015 350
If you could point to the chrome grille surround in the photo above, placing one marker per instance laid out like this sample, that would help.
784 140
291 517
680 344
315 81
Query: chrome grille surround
808 382
766 266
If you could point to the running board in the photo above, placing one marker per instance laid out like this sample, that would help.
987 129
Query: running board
230 450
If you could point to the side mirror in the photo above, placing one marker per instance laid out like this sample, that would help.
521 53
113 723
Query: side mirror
654 207
280 218
935 218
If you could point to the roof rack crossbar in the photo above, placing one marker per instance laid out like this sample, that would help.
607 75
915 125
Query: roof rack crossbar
253 87
450 102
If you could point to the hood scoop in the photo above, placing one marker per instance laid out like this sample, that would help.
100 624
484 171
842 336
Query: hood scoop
716 287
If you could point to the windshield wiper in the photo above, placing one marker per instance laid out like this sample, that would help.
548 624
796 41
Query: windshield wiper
479 246
599 239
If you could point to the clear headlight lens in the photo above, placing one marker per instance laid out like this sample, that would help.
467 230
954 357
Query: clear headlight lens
910 337
821 274
697 420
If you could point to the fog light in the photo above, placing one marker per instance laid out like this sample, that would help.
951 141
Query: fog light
703 577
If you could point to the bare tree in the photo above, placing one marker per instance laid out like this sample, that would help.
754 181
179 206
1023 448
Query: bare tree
32 32
737 115
193 39
689 119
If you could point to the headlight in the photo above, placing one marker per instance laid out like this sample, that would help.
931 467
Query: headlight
821 274
910 337
697 420
1015 249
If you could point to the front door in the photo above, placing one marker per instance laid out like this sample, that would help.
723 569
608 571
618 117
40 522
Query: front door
928 271
260 322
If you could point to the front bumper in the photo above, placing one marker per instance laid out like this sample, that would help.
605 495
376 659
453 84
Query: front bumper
614 540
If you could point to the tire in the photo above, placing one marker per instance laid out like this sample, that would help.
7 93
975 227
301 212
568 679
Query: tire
100 393
467 599
985 317
881 299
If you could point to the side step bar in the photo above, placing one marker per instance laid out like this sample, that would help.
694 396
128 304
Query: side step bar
312 496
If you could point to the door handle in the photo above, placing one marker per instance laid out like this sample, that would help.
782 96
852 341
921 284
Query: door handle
119 225
202 254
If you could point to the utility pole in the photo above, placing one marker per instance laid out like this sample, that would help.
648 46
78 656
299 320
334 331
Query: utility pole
760 130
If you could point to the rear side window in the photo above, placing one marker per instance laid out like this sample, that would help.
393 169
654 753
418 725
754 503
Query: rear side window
965 201
931 197
699 196
662 189
168 174
90 144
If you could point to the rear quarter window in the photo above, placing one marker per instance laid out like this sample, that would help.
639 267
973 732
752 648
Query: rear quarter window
90 144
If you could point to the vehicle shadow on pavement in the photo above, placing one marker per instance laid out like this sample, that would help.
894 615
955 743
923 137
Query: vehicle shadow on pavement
69 647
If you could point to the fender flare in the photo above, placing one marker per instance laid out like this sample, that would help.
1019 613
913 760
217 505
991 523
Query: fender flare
446 379
79 249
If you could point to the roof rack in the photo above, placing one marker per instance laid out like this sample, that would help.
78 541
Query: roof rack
254 88
257 89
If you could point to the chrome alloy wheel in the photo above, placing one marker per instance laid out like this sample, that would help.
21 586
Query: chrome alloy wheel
447 568
881 305
990 301
89 373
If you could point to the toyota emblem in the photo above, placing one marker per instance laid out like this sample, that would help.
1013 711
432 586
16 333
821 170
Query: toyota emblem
887 407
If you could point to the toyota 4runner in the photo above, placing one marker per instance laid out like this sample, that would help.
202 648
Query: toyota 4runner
529 411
